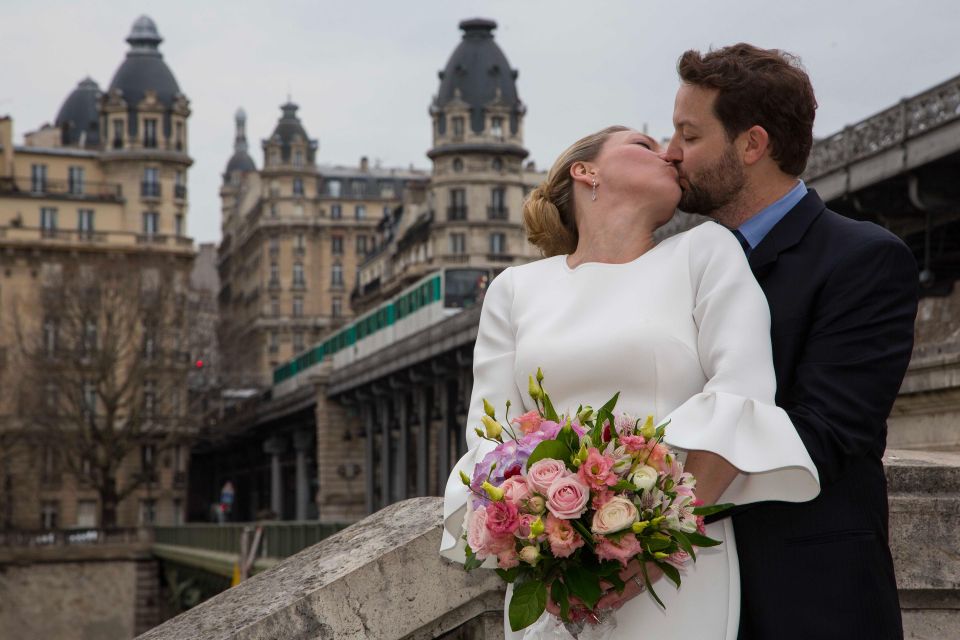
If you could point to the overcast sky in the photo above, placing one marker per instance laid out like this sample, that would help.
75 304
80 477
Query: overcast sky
364 72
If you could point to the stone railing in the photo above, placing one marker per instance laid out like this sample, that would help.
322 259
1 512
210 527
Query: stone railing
382 578
887 129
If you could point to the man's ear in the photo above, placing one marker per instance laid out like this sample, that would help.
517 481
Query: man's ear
755 144
583 172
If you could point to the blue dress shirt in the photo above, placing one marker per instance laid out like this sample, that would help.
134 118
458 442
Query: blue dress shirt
756 228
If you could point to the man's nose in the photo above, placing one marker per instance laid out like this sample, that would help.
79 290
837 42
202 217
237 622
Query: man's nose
672 153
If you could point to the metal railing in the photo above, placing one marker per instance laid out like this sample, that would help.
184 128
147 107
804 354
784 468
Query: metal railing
60 188
280 539
457 213
71 537
497 213
887 129
150 189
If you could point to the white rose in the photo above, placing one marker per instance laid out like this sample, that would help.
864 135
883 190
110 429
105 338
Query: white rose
530 554
644 478
616 515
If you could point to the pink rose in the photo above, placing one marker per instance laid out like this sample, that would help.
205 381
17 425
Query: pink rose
508 559
515 490
562 538
678 558
622 551
523 531
482 541
567 497
633 444
615 515
543 473
597 470
528 422
502 518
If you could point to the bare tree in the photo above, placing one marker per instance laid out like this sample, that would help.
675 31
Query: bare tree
102 371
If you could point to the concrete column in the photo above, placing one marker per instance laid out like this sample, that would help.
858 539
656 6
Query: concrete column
383 409
422 396
366 413
443 436
275 446
401 480
302 440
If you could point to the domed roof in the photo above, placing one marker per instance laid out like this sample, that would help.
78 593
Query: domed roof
289 127
78 117
144 68
240 160
478 72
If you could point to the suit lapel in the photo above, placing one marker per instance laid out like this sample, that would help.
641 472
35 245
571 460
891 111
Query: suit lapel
786 233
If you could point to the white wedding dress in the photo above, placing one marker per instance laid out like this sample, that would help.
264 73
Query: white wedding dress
683 332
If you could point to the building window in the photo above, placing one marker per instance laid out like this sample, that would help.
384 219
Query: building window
150 133
298 341
298 279
298 186
274 247
178 225
457 165
148 512
333 188
179 136
458 127
361 211
177 512
298 306
336 211
336 245
358 187
151 182
75 180
49 514
300 243
148 458
273 209
498 243
298 158
497 164
49 469
180 185
387 209
458 205
118 134
87 513
38 178
336 275
151 223
274 274
274 306
458 243
387 190
336 307
50 336
89 400
89 336
274 157
362 245
48 222
498 204
85 222
274 342
496 127
149 398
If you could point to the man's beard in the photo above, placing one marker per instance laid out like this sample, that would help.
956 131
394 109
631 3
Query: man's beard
715 187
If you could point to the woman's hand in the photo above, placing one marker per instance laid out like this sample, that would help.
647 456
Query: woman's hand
629 575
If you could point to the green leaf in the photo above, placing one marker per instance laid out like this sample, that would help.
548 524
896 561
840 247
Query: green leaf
549 449
570 439
508 575
646 579
527 604
684 542
548 411
587 536
611 403
709 510
624 485
472 562
584 584
670 571
560 595
657 542
702 541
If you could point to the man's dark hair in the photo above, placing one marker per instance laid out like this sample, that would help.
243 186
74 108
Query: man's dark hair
765 87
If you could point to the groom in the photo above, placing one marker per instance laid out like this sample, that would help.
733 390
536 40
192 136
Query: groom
843 297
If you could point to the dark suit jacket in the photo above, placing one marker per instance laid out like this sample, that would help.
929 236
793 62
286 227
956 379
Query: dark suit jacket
843 299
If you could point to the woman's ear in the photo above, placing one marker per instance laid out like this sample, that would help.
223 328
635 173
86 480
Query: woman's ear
584 173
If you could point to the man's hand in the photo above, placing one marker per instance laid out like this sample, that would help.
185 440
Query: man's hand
614 600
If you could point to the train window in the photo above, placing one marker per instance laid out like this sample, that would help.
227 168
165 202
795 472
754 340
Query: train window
464 287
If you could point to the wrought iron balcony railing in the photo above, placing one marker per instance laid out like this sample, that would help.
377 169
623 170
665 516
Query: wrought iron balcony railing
65 189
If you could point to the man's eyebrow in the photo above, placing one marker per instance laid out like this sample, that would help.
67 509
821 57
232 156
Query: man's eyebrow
684 123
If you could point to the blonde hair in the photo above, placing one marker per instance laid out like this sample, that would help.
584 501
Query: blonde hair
548 214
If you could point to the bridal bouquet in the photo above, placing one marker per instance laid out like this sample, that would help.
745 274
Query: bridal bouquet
567 501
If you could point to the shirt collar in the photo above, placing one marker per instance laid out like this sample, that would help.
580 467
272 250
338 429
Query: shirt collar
756 228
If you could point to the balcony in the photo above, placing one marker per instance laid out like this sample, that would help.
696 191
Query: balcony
60 189
457 213
497 213
150 189
180 191
499 257
152 238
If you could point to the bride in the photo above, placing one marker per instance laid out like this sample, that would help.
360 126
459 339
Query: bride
680 328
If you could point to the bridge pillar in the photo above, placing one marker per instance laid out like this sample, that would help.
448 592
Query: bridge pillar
383 411
302 440
274 447
366 411
399 489
422 399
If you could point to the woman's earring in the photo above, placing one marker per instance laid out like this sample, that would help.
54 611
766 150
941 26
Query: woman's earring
594 197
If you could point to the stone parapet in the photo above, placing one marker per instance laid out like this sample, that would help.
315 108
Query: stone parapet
383 578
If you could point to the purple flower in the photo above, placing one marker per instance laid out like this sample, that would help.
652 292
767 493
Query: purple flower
510 458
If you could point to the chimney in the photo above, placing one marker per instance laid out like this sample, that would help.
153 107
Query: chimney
364 164
6 146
